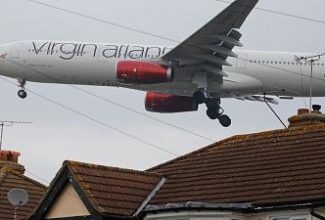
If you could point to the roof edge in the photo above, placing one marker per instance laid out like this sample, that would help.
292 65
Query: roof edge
241 136
71 163
42 208
150 196
74 181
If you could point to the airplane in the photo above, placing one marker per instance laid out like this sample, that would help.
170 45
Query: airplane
203 69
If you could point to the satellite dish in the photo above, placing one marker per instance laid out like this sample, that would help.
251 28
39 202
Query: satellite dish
17 197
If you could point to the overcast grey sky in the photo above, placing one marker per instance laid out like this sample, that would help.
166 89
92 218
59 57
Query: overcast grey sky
57 134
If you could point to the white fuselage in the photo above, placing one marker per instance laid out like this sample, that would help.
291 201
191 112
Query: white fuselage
253 72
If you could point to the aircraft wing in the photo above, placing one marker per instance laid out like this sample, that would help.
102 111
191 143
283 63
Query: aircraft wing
210 46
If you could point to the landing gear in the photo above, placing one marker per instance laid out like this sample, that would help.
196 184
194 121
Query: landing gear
224 120
212 113
199 97
214 110
22 93
215 113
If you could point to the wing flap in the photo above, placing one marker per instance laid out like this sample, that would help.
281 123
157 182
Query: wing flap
212 44
221 50
256 98
228 40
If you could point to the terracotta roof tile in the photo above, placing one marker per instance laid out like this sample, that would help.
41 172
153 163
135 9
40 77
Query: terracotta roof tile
281 166
113 191
11 179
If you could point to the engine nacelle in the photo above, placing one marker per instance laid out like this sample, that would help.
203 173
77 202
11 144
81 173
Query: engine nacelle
137 72
167 103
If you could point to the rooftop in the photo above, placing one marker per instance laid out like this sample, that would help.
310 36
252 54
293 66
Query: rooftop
113 191
106 191
251 172
12 176
269 168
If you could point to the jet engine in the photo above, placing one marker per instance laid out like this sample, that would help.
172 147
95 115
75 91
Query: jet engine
167 103
137 72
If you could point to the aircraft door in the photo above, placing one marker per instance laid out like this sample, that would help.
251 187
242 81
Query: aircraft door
16 51
242 62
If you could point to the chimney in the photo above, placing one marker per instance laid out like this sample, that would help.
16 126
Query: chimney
304 117
9 160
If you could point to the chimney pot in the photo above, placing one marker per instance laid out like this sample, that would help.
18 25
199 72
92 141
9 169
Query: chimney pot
10 156
304 117
9 159
303 111
317 108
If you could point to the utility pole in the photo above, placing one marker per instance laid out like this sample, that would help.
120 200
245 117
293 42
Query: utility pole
311 60
5 123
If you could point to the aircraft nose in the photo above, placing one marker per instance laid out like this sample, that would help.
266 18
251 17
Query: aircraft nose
3 57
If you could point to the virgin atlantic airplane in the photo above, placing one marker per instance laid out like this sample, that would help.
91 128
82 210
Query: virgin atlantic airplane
201 70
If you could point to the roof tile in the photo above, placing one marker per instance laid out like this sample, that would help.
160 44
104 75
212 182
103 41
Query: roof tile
113 191
10 179
281 166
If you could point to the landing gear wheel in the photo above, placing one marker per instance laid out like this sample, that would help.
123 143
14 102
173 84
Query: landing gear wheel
212 113
199 97
224 120
22 94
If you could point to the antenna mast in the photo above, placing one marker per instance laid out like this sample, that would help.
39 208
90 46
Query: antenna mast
6 123
310 59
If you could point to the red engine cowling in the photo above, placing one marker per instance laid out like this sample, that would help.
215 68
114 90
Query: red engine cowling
137 72
167 103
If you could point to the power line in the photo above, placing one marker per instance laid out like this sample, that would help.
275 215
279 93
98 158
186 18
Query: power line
170 39
282 13
96 120
125 27
37 176
157 35
102 21
163 37
125 107
111 101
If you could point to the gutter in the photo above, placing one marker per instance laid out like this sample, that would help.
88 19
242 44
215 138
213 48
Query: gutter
241 207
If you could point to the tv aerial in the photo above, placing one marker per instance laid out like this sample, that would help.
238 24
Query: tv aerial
17 198
6 123
310 59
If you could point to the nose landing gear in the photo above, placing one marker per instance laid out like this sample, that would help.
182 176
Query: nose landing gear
22 93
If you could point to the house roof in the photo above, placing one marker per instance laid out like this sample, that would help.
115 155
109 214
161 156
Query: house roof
9 179
114 191
263 169
106 191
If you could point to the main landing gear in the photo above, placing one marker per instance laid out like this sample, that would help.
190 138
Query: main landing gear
22 93
214 110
